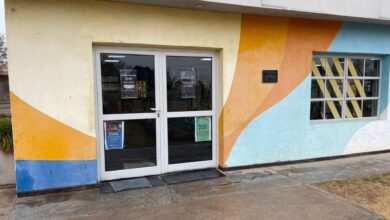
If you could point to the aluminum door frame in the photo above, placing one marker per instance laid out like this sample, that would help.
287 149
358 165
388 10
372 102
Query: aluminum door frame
136 172
167 168
161 121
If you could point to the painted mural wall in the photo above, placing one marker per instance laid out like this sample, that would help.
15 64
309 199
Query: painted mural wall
53 98
275 123
52 76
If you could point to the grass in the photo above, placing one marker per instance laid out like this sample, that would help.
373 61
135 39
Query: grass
370 192
6 144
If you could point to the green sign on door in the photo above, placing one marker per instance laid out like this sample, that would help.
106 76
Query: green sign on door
202 129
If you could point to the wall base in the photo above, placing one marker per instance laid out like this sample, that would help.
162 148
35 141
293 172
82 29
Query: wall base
59 190
301 161
7 169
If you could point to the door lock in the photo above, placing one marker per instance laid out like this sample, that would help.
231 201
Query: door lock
157 111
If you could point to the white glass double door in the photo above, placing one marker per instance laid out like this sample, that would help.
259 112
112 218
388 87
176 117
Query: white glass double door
155 111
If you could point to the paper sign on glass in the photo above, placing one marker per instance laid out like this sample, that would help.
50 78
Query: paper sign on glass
187 84
114 135
128 79
202 129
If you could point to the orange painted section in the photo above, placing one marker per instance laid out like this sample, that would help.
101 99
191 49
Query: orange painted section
40 137
269 43
261 47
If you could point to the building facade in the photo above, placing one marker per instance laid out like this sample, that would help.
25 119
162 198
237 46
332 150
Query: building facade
104 90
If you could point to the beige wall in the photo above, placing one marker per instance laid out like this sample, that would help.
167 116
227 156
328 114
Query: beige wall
51 57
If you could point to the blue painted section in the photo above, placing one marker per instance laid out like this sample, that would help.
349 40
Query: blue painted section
44 174
285 133
384 93
359 38
362 38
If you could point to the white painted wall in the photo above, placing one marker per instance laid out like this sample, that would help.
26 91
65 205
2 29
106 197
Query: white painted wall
374 136
375 11
372 9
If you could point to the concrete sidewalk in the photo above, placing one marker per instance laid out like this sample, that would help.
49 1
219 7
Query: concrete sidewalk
7 201
281 192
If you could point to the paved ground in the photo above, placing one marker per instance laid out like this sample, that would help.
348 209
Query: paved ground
7 201
282 192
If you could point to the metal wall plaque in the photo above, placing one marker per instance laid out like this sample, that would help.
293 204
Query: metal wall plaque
270 76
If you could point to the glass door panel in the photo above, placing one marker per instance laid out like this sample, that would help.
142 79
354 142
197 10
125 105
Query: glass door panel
184 144
139 147
189 83
189 89
139 134
129 121
128 84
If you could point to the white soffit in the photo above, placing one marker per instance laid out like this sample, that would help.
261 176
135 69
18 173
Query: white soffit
371 11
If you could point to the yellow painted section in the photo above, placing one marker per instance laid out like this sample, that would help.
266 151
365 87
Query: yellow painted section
39 137
334 84
56 73
336 89
357 82
338 66
325 91
351 94
355 104
340 70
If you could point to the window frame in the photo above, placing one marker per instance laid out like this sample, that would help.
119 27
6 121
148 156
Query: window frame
345 79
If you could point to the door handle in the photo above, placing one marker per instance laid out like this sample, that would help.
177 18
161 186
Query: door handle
157 111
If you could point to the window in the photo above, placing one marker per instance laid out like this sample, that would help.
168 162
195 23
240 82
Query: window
344 87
